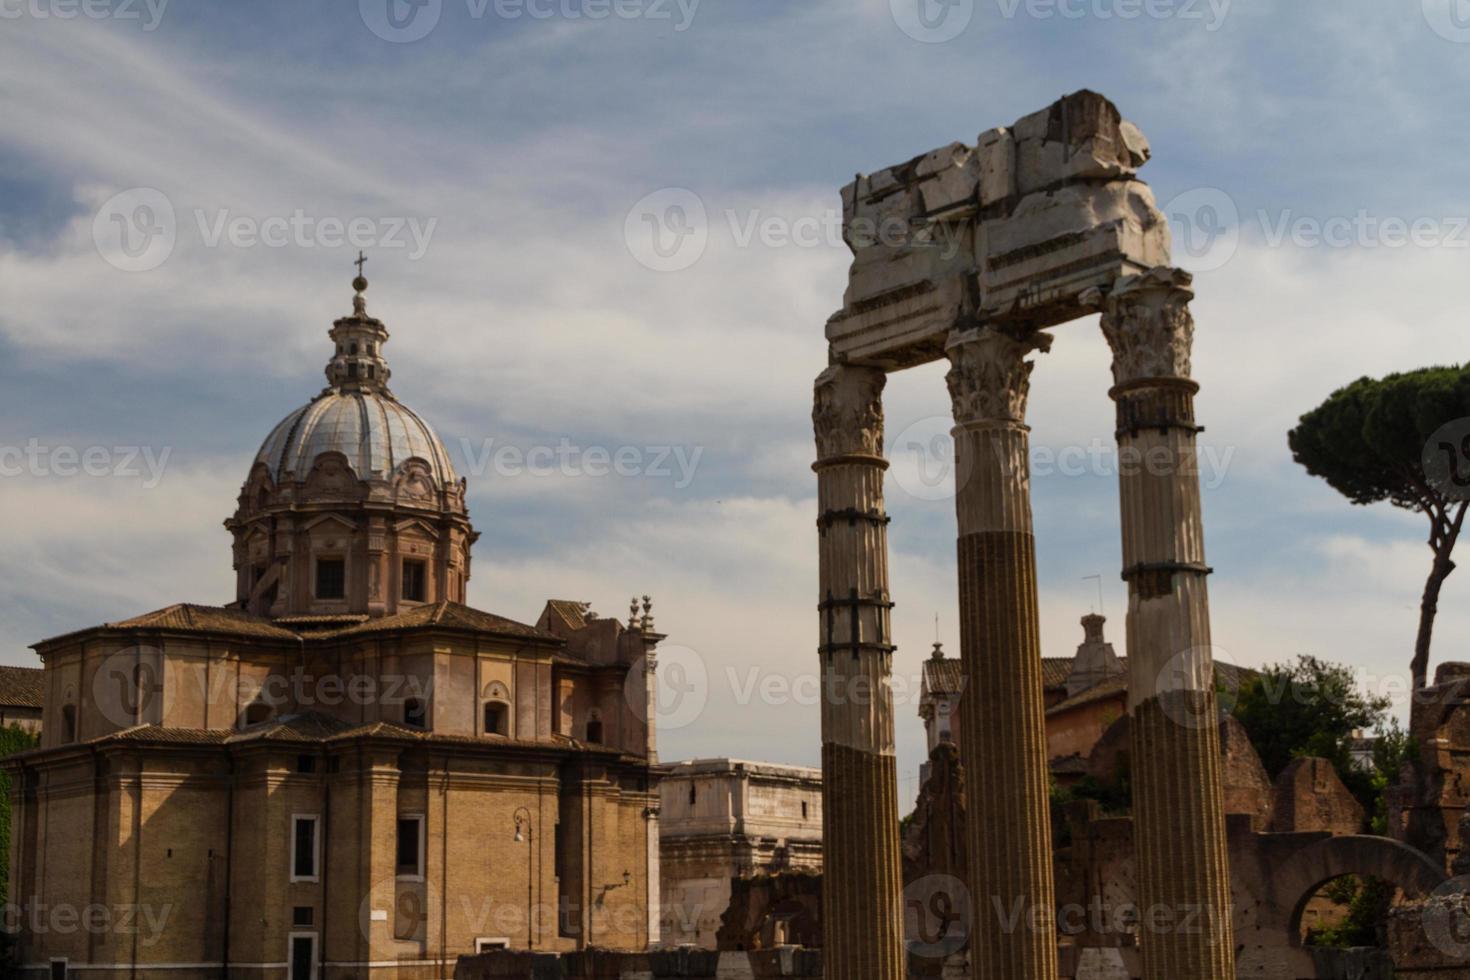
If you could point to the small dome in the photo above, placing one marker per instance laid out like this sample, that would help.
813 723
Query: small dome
375 431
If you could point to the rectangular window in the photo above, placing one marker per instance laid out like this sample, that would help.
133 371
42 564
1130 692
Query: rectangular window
410 847
304 848
486 945
331 578
301 915
303 956
414 587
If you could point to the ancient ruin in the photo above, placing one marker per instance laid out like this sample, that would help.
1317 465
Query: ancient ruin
967 253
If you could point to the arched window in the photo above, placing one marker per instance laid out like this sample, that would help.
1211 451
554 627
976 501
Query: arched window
69 723
497 718
415 713
594 731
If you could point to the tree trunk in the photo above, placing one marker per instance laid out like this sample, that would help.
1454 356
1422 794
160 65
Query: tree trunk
1427 610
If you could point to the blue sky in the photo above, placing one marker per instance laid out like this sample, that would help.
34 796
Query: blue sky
520 145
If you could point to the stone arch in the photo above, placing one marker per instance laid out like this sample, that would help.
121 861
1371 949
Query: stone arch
1304 874
1275 876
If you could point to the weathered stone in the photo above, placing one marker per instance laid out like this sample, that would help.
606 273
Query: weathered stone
1309 796
956 231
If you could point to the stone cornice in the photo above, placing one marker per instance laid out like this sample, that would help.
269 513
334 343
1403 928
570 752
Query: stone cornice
989 378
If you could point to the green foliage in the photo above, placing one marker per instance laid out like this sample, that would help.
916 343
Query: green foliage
1114 797
1368 901
1392 751
12 739
1367 439
1308 708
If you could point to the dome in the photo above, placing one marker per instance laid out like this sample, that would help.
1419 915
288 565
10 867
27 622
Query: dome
351 506
372 429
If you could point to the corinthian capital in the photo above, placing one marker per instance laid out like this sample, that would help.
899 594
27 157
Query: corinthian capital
989 377
847 412
1148 325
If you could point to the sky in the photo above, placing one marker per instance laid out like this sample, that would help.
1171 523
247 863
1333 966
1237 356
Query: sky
183 187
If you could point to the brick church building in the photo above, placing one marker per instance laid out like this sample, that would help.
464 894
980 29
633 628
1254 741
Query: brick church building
346 772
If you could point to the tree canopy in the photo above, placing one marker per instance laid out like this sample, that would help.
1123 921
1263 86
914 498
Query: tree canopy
1404 438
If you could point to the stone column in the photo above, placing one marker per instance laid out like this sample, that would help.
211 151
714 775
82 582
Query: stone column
1178 808
1003 728
861 900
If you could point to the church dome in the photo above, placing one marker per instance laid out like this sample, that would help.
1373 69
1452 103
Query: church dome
351 506
375 432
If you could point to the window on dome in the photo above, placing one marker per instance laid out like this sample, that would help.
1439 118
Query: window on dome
352 371
331 578
414 585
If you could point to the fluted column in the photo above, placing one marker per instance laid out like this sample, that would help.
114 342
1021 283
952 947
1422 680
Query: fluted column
1178 808
1003 730
861 891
